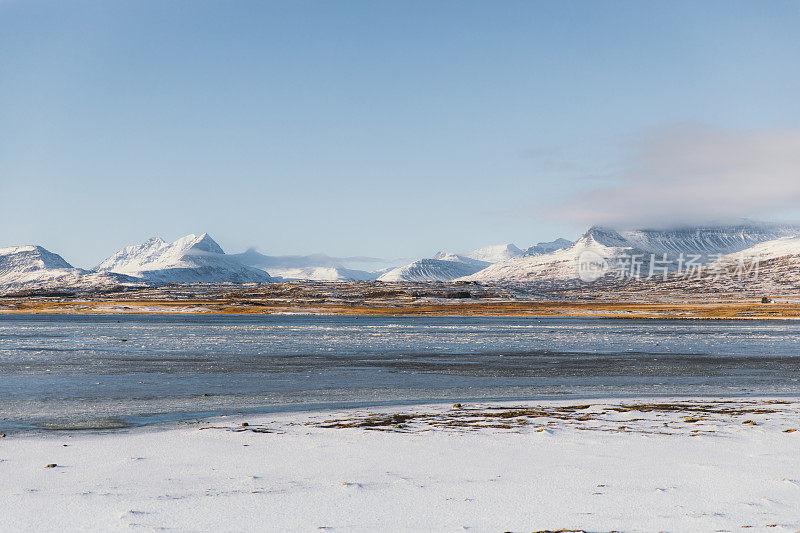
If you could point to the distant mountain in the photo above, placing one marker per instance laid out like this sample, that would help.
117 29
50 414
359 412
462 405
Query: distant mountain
189 259
495 253
554 267
770 269
326 274
547 247
318 267
706 241
604 252
443 267
459 258
33 268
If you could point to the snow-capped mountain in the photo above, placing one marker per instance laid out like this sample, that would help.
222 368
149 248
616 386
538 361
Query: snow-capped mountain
25 268
765 251
770 267
319 267
709 242
558 266
495 253
21 260
189 259
322 273
447 266
547 247
459 258
603 252
443 267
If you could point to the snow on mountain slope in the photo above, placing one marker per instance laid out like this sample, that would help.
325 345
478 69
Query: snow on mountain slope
155 254
458 258
190 259
438 269
443 267
771 267
317 267
610 253
323 273
495 253
547 247
707 241
777 248
558 266
29 259
27 268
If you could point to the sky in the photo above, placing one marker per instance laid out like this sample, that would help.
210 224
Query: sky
390 129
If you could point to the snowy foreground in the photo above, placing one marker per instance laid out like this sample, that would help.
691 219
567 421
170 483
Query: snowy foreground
628 465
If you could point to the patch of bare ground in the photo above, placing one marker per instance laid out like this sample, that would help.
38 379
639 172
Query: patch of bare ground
688 418
414 299
663 418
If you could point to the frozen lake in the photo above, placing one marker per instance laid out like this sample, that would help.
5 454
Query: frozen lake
107 371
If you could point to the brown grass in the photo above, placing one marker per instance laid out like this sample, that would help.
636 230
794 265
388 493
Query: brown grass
410 307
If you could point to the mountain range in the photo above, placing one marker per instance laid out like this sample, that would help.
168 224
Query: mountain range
319 267
445 266
606 253
633 253
191 259
25 268
441 267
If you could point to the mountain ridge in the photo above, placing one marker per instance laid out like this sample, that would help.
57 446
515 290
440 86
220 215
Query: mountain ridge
199 258
616 250
318 267
191 258
34 268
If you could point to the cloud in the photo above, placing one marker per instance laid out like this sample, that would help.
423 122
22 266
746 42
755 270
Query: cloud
691 173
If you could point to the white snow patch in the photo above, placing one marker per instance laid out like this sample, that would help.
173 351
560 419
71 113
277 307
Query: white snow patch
621 471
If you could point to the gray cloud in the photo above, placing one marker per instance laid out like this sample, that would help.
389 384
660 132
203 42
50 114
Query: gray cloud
690 173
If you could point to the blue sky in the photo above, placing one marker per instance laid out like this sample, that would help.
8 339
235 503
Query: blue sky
379 128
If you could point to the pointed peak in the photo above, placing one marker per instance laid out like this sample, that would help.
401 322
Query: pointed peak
604 235
32 256
199 243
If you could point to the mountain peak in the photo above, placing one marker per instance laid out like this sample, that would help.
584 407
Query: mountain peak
495 253
193 258
433 270
30 258
547 247
198 243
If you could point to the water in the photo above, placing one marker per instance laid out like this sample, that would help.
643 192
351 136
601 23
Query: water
107 371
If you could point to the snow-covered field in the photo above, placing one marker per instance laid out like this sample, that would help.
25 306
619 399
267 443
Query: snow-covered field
627 465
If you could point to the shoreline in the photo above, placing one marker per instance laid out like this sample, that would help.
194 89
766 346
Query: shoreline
165 420
741 310
705 463
162 421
